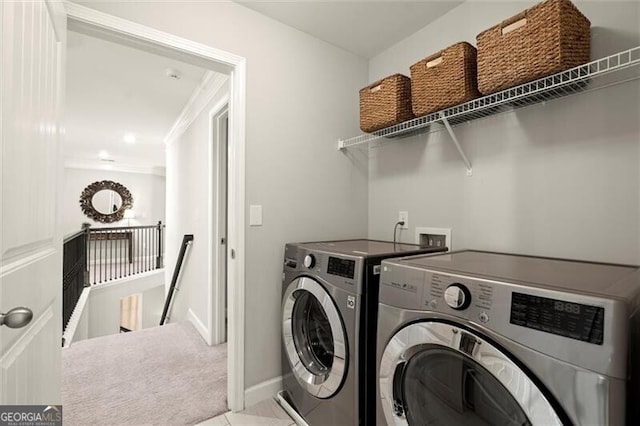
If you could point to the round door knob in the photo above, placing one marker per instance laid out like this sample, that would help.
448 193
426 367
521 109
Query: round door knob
16 318
457 296
309 261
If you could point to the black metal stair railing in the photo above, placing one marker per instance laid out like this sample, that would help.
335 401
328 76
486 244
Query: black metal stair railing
119 252
74 272
187 239
98 255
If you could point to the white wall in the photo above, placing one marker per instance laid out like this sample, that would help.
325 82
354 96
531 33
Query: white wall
152 305
103 305
560 179
98 310
147 190
302 96
188 192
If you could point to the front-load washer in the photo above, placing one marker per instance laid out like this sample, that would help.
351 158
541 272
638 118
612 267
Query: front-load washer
480 338
329 305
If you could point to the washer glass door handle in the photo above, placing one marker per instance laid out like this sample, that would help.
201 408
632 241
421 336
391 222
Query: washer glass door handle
16 317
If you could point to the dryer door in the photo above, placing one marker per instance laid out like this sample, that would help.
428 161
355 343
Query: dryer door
314 337
436 373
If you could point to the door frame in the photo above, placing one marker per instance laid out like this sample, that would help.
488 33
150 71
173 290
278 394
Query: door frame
90 21
217 220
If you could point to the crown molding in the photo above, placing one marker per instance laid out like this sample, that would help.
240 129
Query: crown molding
211 83
114 167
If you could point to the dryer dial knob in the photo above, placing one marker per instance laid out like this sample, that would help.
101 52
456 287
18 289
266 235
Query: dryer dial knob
309 261
457 296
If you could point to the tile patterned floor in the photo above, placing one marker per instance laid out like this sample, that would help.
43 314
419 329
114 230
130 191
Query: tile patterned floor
268 413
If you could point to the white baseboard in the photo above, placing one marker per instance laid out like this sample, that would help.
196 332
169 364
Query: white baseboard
78 321
262 391
202 329
143 281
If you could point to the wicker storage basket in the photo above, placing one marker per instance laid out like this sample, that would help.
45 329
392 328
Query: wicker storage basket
385 103
550 37
444 79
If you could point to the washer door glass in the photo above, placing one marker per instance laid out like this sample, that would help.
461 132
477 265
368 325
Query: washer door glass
313 337
441 386
312 334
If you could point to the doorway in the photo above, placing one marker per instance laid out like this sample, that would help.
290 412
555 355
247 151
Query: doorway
219 131
89 21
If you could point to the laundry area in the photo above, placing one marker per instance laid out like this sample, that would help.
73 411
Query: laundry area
516 305
321 213
462 337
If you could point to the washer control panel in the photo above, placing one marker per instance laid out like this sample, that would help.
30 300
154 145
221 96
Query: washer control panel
341 267
338 270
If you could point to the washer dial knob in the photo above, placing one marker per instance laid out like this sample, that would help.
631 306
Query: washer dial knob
309 261
457 296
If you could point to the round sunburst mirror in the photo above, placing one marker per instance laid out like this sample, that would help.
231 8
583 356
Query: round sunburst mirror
105 201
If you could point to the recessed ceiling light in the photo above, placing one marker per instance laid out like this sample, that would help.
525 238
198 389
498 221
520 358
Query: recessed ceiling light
103 155
129 138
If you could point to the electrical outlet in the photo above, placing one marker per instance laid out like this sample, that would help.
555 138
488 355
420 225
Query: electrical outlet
434 237
403 217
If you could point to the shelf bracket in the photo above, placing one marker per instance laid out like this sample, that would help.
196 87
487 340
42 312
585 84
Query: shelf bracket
455 141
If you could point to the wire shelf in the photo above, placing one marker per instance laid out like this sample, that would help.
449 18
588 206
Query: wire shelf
576 80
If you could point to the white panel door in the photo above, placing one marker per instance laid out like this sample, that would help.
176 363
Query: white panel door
33 47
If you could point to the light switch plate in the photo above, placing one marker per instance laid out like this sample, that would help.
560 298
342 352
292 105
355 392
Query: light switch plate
255 215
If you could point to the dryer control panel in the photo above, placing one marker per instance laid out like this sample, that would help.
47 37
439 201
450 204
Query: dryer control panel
425 290
470 293
474 299
457 296
575 320
506 296
460 294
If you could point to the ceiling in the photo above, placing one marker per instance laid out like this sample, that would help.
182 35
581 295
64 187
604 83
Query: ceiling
363 27
112 90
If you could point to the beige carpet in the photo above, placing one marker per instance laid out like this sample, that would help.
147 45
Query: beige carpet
159 376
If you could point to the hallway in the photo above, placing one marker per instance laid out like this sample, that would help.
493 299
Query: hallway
162 375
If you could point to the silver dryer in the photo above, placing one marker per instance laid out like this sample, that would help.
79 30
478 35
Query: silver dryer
479 338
